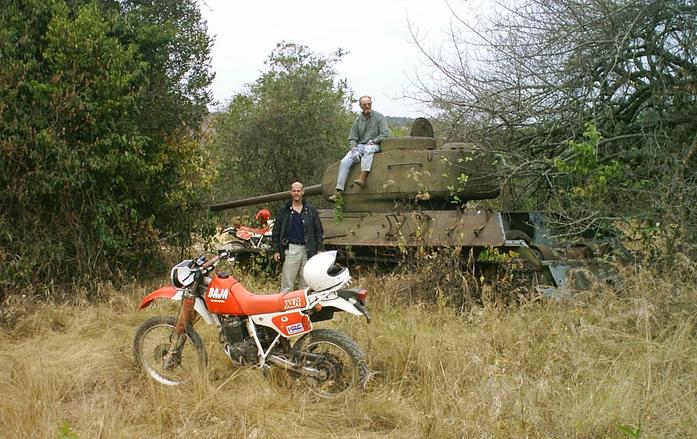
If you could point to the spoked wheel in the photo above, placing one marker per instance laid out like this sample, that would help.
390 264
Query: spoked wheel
236 245
337 358
150 346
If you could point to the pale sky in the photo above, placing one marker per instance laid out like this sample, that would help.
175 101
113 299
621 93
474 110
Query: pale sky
382 56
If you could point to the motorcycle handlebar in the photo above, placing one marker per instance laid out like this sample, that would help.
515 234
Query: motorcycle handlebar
222 254
214 260
238 251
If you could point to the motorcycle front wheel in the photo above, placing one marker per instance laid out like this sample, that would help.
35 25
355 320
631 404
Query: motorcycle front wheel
338 359
151 343
236 245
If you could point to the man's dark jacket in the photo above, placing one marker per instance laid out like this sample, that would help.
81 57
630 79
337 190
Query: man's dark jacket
312 228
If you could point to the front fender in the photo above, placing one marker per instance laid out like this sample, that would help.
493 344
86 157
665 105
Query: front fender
171 293
168 292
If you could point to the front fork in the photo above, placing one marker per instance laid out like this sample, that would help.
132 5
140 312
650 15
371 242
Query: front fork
178 338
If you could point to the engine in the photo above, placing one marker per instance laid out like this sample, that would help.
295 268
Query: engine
238 345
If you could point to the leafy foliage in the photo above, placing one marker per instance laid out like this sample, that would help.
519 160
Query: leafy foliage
65 432
399 126
588 182
288 126
93 179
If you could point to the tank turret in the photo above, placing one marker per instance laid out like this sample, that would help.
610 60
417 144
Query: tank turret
418 170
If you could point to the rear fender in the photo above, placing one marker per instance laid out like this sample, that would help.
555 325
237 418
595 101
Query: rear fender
341 304
346 300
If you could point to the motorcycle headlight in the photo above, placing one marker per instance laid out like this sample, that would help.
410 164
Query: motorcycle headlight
182 275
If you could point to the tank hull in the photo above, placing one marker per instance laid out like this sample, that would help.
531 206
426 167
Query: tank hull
441 228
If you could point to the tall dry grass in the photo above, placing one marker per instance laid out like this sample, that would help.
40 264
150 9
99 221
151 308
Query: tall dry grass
609 362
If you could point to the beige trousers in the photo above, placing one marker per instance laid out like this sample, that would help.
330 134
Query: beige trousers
295 258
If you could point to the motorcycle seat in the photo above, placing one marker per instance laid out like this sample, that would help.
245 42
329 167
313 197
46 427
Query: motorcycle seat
252 304
255 230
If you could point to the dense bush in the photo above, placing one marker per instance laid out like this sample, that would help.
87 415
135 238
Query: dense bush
100 106
590 104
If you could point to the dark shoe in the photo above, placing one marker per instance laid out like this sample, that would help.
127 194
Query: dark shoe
360 181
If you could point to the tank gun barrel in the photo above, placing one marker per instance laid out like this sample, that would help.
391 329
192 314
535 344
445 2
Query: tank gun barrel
261 199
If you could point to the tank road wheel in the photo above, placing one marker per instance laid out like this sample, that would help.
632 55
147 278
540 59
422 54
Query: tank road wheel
546 253
337 357
518 234
151 343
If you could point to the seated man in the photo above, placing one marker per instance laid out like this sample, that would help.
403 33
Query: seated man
367 132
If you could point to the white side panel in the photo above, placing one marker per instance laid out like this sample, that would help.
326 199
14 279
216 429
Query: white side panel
200 307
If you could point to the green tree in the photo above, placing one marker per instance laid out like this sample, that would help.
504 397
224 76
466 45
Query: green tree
92 181
291 123
527 80
172 37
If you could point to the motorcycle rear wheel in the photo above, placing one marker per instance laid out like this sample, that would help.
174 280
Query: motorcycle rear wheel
343 362
150 345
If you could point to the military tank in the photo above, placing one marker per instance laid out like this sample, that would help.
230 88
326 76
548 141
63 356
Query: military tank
413 198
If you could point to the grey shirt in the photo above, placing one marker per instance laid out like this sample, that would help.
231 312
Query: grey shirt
373 127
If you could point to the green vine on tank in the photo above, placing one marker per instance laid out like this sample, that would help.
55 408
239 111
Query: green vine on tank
423 193
339 207
461 179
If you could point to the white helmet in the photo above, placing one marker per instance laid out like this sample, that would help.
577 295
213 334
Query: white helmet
182 275
321 273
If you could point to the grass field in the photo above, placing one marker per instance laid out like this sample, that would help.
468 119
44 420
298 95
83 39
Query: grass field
615 361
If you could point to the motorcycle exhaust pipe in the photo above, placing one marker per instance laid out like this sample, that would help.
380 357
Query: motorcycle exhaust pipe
285 363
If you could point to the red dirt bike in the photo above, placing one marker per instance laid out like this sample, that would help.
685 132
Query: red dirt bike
256 330
256 239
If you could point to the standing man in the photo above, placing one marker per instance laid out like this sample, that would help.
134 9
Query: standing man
297 235
366 135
